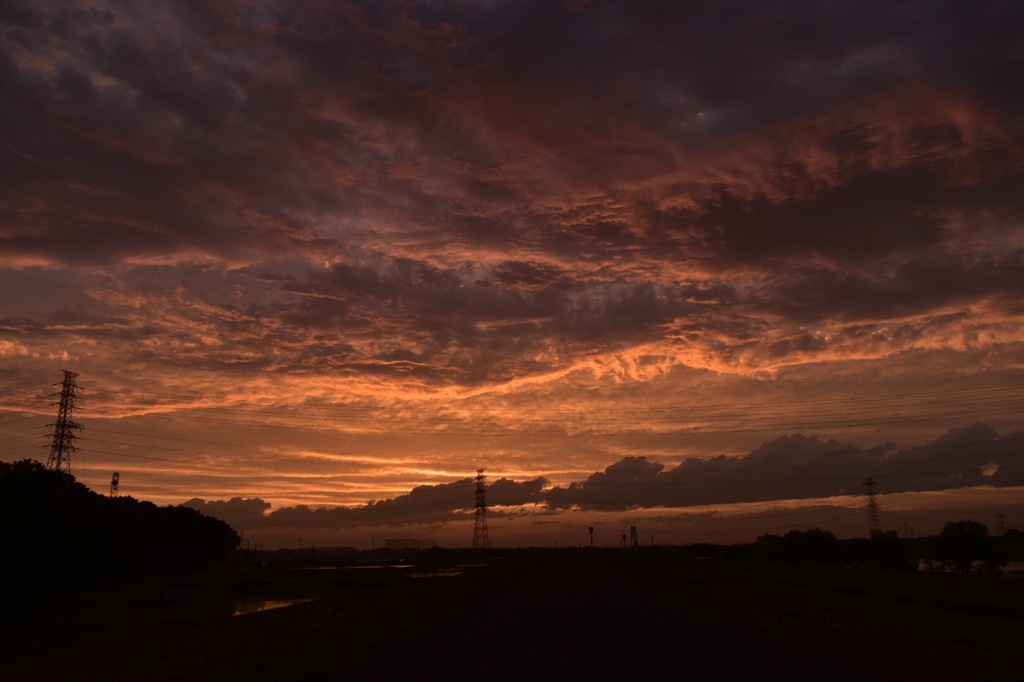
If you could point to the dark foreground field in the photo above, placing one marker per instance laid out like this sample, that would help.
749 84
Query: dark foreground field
571 615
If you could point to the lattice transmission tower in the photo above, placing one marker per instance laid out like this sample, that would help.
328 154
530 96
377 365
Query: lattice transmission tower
874 515
480 537
64 428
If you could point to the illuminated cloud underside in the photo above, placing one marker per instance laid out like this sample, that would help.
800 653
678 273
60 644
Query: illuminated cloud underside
323 255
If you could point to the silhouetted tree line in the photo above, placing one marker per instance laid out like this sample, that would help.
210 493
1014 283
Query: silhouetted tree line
816 546
965 546
57 535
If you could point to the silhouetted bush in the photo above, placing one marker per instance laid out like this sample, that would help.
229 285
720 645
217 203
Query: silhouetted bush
1011 545
962 543
884 550
813 546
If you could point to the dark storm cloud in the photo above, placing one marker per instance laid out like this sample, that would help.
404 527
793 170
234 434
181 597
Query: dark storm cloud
491 319
145 140
192 108
240 513
516 274
424 504
873 215
470 185
797 466
810 293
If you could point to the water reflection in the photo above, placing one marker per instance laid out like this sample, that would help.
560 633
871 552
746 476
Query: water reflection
361 567
243 607
449 573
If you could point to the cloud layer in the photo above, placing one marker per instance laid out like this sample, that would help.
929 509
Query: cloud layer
786 469
457 188
454 216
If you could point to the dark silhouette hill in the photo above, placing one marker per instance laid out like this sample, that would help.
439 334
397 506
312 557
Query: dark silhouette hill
59 536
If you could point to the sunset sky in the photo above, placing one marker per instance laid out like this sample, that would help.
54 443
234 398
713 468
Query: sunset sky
698 267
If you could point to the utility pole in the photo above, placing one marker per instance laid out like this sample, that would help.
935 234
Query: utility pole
481 540
64 428
874 516
115 484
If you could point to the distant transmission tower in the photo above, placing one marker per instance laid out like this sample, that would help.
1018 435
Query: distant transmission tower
115 484
65 426
480 538
874 517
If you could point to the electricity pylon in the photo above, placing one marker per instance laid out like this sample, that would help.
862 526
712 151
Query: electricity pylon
874 516
64 428
480 538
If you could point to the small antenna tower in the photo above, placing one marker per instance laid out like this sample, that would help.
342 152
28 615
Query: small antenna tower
874 517
480 538
115 482
65 426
